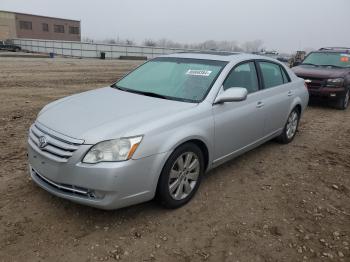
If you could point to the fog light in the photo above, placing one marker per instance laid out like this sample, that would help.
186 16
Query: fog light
333 95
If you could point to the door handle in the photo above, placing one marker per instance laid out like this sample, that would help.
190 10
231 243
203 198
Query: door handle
290 93
259 104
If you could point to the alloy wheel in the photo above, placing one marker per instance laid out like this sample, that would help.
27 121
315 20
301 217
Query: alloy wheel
184 175
292 124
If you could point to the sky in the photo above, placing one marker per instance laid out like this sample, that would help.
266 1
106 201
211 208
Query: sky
283 25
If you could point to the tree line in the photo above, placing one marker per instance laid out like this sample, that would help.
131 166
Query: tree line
232 46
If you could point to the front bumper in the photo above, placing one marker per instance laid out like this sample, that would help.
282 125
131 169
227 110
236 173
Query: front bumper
108 185
327 92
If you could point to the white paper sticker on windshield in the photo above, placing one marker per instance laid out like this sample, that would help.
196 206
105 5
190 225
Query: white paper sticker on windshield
198 72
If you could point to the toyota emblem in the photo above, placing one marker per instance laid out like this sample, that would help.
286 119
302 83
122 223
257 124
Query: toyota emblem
42 141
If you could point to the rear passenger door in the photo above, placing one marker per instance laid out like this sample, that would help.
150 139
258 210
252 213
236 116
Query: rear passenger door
277 95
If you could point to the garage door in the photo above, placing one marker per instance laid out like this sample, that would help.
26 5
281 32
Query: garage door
4 32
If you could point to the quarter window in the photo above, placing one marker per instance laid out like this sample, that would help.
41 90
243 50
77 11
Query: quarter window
244 75
25 25
271 74
59 28
285 76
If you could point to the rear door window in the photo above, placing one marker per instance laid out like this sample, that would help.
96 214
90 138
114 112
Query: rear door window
271 74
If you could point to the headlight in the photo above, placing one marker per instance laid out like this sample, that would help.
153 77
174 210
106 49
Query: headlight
335 82
113 150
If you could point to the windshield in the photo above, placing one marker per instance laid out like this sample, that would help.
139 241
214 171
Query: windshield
328 59
180 79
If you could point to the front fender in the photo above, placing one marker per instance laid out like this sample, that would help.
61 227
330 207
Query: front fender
168 137
180 139
170 140
173 139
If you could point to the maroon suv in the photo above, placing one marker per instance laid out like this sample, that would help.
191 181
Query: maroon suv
327 74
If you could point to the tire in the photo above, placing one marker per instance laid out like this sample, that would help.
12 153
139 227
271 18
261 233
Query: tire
176 185
343 102
290 128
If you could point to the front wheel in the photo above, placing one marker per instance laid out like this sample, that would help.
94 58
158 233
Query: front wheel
343 102
290 128
181 176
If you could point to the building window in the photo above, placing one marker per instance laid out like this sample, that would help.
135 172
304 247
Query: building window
74 30
25 25
59 28
45 27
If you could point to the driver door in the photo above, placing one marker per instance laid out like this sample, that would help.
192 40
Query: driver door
238 125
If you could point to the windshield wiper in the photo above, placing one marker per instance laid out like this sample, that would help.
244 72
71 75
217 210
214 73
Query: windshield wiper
141 92
148 94
308 64
332 66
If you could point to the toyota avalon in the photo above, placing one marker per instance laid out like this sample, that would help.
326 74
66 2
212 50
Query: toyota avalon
155 132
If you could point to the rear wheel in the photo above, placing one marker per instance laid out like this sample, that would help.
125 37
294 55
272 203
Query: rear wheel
181 176
343 102
290 128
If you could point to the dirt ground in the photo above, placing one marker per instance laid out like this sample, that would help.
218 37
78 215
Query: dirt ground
275 203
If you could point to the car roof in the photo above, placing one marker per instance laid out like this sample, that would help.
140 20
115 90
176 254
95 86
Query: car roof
219 56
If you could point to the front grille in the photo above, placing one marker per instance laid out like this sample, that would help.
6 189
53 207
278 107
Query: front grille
64 188
315 83
57 147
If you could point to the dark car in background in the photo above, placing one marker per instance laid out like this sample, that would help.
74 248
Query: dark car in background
9 46
327 74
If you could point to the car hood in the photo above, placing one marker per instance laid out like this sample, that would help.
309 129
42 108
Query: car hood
106 113
319 72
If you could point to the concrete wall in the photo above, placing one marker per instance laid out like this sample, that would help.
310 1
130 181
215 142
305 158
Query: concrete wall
37 28
7 25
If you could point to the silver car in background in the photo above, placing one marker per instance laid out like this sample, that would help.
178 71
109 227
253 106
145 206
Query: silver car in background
156 131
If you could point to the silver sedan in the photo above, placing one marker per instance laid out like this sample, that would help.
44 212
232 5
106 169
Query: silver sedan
156 131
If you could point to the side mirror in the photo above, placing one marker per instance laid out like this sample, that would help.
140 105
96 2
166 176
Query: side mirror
233 94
